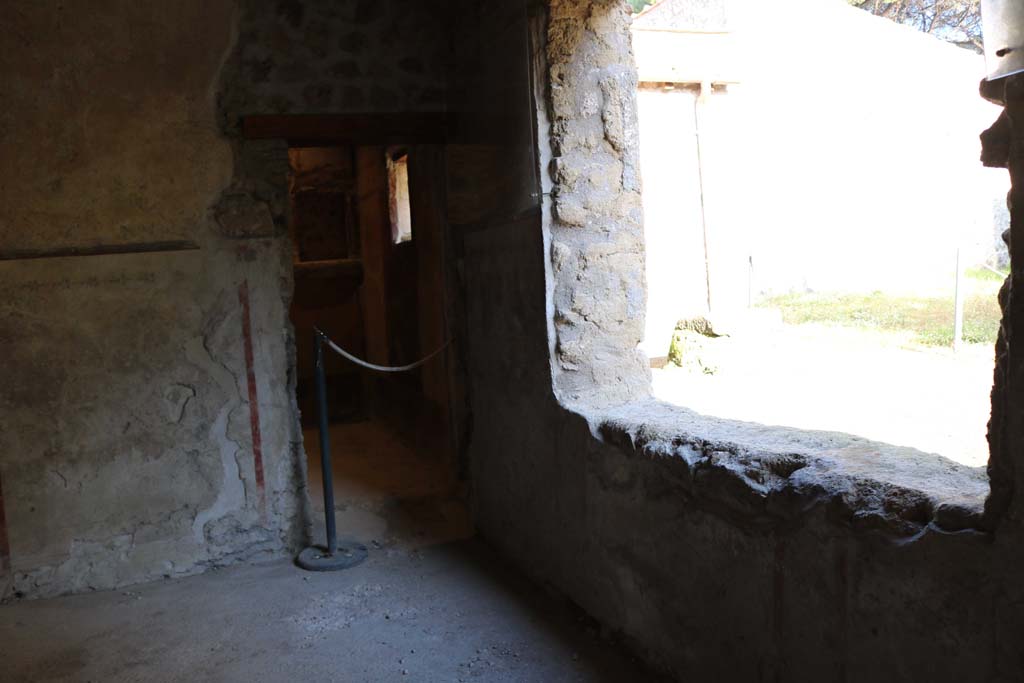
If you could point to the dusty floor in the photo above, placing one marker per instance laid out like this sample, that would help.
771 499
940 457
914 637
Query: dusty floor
853 381
431 604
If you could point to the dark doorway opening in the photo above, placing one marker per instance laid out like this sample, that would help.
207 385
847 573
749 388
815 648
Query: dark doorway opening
373 279
328 271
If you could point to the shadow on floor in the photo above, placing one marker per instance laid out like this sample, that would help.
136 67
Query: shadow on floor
387 491
449 612
430 604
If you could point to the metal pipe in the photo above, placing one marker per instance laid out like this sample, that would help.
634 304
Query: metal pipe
325 446
1003 29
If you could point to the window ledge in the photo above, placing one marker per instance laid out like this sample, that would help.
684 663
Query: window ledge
769 474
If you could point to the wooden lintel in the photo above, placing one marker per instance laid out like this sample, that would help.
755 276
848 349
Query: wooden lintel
350 129
351 267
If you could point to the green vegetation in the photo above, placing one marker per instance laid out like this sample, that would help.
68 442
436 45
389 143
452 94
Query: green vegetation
692 348
928 319
986 274
639 5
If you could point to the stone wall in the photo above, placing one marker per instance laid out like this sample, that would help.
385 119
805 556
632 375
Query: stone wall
597 231
721 550
313 56
1003 147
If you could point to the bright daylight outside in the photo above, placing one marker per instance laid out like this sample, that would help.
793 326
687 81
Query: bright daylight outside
824 247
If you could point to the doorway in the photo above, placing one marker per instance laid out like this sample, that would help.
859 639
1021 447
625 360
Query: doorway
367 228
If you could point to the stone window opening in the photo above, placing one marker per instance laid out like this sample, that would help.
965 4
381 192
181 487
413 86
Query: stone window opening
754 282
597 296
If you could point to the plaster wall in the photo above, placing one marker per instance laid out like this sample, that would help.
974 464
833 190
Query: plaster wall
149 424
127 450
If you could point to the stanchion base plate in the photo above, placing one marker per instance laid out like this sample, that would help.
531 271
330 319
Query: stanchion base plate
316 559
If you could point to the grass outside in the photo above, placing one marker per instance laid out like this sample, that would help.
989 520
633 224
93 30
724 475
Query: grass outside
928 319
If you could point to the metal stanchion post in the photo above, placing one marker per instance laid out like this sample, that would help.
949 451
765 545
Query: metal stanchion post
348 553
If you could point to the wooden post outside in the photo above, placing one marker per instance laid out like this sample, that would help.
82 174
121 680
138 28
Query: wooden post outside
958 305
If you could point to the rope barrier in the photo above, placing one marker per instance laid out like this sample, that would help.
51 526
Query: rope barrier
379 368
346 553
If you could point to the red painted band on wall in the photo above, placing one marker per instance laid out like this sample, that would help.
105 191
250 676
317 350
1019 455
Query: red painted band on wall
5 546
250 375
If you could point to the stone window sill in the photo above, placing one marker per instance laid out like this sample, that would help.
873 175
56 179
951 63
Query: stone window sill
778 473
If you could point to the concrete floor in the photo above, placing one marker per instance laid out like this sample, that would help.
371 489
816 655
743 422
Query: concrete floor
431 604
